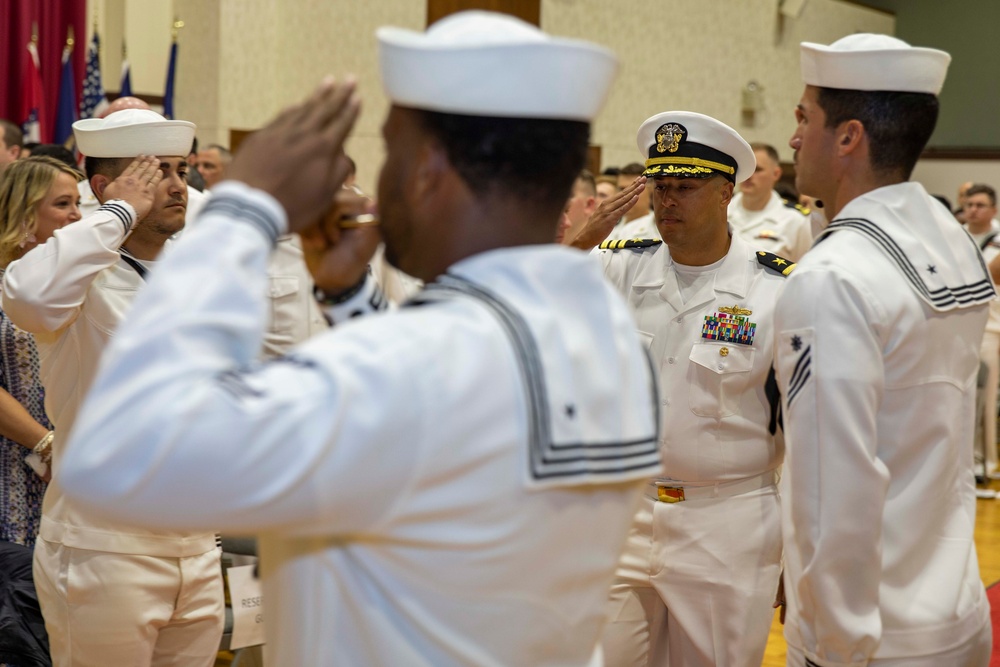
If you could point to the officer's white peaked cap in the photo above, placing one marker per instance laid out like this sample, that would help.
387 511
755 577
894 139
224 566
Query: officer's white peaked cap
686 144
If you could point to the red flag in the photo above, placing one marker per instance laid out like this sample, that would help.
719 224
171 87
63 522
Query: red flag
32 100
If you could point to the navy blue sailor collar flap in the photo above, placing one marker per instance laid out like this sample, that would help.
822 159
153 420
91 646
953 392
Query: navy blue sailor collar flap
582 430
938 259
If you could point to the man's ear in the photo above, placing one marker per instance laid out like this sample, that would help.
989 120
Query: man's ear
850 135
99 183
727 193
430 170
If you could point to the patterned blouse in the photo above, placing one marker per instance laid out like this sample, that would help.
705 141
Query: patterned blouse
21 490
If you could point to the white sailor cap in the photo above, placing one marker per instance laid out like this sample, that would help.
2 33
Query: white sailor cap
692 145
480 63
133 132
874 62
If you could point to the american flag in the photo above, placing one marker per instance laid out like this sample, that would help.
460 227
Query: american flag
93 101
32 99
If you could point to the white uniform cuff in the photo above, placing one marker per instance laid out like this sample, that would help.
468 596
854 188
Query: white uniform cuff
235 199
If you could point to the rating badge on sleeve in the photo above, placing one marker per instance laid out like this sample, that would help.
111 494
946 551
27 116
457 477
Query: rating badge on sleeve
730 325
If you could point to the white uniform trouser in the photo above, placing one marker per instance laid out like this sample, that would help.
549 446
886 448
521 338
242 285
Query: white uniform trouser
973 653
104 609
696 583
989 353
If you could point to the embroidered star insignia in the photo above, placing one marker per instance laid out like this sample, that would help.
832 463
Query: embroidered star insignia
931 268
778 261
570 410
796 343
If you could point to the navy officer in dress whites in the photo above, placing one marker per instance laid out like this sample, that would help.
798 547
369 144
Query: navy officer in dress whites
698 578
877 352
447 483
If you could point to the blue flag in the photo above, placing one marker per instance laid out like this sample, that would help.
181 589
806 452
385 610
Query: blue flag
93 101
168 90
125 89
66 109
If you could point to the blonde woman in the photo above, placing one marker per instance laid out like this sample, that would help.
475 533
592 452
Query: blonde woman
38 195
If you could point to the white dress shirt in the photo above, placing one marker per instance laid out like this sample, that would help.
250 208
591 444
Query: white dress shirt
777 228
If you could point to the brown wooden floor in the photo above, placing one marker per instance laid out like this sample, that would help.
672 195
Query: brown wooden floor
987 548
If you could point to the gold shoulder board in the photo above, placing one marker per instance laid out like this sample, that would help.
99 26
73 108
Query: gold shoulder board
772 262
618 244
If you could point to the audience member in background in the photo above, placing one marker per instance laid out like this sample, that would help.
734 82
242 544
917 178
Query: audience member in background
611 171
762 218
605 186
195 181
581 203
37 196
980 209
11 141
58 152
152 597
212 163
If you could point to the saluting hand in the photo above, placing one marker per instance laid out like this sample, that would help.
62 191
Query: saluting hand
299 158
137 184
338 258
606 216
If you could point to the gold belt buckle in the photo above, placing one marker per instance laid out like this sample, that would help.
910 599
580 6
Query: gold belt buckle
670 494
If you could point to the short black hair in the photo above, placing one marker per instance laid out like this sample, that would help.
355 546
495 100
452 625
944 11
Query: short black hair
112 167
535 160
771 151
632 169
899 124
57 151
12 134
982 189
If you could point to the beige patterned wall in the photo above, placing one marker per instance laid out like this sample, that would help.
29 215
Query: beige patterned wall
697 55
274 52
242 61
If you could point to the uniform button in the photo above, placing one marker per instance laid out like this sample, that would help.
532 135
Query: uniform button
665 401
723 351
671 360
722 366
679 319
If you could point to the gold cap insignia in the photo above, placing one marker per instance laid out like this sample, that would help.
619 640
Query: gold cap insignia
669 137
